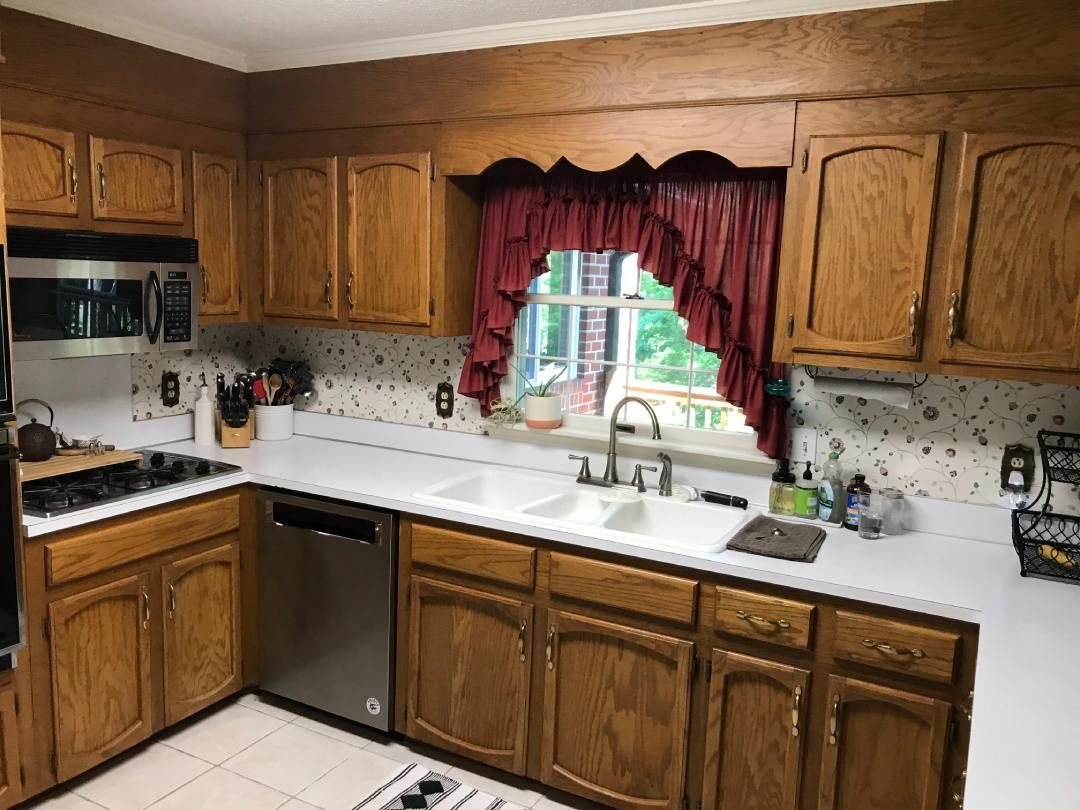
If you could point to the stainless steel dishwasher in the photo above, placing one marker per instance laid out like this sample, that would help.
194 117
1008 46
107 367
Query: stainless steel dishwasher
326 605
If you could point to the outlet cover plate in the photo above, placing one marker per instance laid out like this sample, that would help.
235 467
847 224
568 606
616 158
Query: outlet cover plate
444 400
170 389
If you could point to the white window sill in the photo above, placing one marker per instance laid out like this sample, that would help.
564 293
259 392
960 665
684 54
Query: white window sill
735 452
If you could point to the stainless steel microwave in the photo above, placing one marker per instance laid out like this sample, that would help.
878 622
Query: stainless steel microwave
81 294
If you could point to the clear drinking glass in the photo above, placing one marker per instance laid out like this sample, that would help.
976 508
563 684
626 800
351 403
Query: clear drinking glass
894 511
871 514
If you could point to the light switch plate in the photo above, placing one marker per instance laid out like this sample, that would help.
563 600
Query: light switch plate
803 445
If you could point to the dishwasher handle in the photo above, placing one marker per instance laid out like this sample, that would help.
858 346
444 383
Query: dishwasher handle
325 522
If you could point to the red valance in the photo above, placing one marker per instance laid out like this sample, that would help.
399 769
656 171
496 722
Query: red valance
711 234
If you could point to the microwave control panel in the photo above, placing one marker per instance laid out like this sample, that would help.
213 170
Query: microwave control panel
177 328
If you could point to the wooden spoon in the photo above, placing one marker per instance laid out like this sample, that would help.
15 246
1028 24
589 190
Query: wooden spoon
275 386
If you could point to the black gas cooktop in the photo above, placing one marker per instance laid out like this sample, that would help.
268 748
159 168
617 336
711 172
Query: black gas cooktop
49 497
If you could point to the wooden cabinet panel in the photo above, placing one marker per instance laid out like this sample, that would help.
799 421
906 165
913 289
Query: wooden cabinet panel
136 182
865 244
896 646
40 173
216 200
884 749
389 232
469 665
766 618
201 596
1013 293
756 733
616 704
100 662
300 201
484 557
11 791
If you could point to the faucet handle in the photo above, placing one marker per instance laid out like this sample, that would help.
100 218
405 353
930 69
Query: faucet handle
584 473
639 480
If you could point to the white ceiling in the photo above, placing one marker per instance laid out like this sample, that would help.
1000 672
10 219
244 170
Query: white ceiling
253 35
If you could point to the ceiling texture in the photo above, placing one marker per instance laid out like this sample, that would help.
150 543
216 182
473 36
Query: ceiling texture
254 35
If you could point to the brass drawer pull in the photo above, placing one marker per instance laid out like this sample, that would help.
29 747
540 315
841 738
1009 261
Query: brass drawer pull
329 284
74 178
172 600
146 609
954 316
760 621
205 283
521 640
834 720
549 648
101 182
886 648
913 318
348 292
795 712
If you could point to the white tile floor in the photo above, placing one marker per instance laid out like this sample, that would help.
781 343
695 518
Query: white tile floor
253 754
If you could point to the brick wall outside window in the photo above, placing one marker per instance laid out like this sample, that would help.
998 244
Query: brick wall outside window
585 393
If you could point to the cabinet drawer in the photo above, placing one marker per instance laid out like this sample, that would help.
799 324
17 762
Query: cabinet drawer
119 542
896 646
483 557
764 618
611 585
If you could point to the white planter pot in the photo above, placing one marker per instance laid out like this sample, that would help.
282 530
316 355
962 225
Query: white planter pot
273 423
543 413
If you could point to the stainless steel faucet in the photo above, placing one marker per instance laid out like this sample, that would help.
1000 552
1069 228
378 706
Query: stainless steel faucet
665 474
611 473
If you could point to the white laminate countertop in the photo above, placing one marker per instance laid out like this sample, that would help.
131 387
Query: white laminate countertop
1027 707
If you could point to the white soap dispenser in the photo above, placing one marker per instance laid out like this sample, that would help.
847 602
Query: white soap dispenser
204 416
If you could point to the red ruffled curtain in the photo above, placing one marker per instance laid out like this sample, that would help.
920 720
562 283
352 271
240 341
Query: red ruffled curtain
709 232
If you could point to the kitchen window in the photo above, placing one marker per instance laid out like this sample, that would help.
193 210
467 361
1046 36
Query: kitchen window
614 329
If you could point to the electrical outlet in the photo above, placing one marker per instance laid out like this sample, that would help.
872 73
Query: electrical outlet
444 400
803 445
170 389
1018 458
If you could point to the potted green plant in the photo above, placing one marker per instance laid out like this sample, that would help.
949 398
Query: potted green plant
543 409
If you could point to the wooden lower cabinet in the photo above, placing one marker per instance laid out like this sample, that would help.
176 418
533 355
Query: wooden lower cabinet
201 610
884 749
756 733
11 792
469 667
616 712
100 654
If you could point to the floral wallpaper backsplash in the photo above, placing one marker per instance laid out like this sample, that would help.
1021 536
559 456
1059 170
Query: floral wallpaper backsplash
367 375
946 445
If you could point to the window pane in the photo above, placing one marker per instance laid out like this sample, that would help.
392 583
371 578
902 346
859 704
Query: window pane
609 273
659 339
546 329
669 396
591 386
704 359
709 410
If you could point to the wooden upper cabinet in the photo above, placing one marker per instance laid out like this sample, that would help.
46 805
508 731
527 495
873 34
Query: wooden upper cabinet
40 172
469 664
389 232
300 201
136 182
100 664
865 245
201 596
1013 291
10 762
756 734
616 707
217 202
883 748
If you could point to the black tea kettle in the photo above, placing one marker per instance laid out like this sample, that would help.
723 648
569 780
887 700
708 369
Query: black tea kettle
36 441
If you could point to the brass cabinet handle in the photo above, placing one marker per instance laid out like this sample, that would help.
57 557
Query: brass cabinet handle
959 783
348 291
549 648
834 719
954 316
913 318
205 283
521 640
146 609
770 624
74 174
329 283
886 648
172 600
795 712
101 182
790 325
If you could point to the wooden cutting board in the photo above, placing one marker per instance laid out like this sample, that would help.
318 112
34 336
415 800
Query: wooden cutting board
61 465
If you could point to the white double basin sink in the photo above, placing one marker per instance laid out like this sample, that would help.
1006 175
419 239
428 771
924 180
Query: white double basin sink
620 515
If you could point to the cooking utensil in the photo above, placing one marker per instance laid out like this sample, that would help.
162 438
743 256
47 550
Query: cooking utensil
276 382
259 391
37 442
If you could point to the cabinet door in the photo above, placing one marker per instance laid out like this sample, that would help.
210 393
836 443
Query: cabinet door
40 174
136 182
389 217
10 779
469 662
100 648
201 607
756 732
1014 263
616 701
866 244
883 749
301 254
216 199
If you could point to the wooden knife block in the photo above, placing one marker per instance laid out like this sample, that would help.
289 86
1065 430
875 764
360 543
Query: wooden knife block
235 437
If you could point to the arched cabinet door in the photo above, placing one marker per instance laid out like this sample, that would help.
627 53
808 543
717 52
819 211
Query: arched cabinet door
136 182
216 199
883 748
1013 293
865 246
40 173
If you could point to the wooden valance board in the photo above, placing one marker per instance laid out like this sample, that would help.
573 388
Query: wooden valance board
748 135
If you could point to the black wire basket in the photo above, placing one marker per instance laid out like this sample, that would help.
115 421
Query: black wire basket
1048 543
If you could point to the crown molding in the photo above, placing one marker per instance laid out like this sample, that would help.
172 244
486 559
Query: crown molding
686 15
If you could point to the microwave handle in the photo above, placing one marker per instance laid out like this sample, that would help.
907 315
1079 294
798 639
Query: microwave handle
155 284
